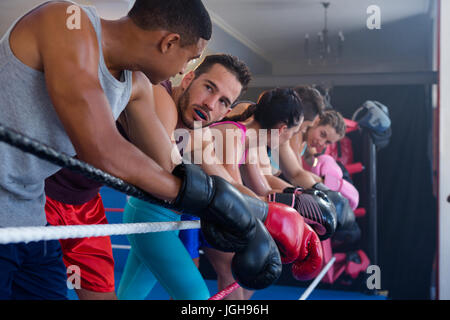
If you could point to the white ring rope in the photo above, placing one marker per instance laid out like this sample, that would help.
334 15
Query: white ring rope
316 281
29 234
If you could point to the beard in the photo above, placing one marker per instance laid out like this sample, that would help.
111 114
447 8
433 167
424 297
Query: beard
183 105
183 109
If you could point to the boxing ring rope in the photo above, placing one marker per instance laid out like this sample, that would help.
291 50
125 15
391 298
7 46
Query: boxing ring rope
225 292
114 209
29 234
51 155
316 281
228 290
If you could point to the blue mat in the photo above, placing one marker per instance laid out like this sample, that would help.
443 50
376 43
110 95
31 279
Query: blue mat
271 293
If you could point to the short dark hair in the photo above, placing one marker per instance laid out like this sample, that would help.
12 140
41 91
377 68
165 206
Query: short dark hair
188 18
229 62
313 102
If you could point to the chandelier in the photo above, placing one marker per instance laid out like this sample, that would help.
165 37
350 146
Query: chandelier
326 50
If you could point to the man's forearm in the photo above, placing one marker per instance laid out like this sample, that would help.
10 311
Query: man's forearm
127 162
277 183
244 190
303 179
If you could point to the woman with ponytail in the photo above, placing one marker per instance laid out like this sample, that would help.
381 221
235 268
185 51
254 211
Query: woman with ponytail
273 120
319 129
241 141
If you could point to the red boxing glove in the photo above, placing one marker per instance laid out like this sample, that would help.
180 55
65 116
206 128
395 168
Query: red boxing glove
285 226
309 263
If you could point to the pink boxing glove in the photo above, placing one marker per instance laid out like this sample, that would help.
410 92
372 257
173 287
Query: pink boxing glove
326 165
327 168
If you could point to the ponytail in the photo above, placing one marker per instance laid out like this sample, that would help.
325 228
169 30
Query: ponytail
274 106
247 113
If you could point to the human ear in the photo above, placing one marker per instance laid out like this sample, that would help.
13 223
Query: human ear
169 42
282 129
187 79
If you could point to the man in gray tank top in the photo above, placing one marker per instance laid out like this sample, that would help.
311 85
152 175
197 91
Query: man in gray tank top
66 76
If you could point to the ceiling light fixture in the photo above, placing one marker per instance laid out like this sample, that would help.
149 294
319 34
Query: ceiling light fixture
324 52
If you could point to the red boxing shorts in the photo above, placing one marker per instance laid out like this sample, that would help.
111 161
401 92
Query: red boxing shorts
92 255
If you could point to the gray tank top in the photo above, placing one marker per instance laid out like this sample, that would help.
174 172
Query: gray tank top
25 106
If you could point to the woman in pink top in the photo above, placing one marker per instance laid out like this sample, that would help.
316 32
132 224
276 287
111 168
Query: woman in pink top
242 141
261 127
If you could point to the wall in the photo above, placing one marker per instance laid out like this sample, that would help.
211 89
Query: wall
444 155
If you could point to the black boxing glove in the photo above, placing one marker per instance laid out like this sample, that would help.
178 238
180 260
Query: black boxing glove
221 208
347 231
314 206
346 238
259 265
345 215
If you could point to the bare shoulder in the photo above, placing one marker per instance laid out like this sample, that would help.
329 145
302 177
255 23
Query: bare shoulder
143 87
140 85
61 17
47 31
154 98
227 128
65 43
165 106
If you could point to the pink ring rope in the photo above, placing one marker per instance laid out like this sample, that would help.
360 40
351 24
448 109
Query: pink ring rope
225 292
114 209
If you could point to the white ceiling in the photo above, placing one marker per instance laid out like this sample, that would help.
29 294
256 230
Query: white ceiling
268 25
273 29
